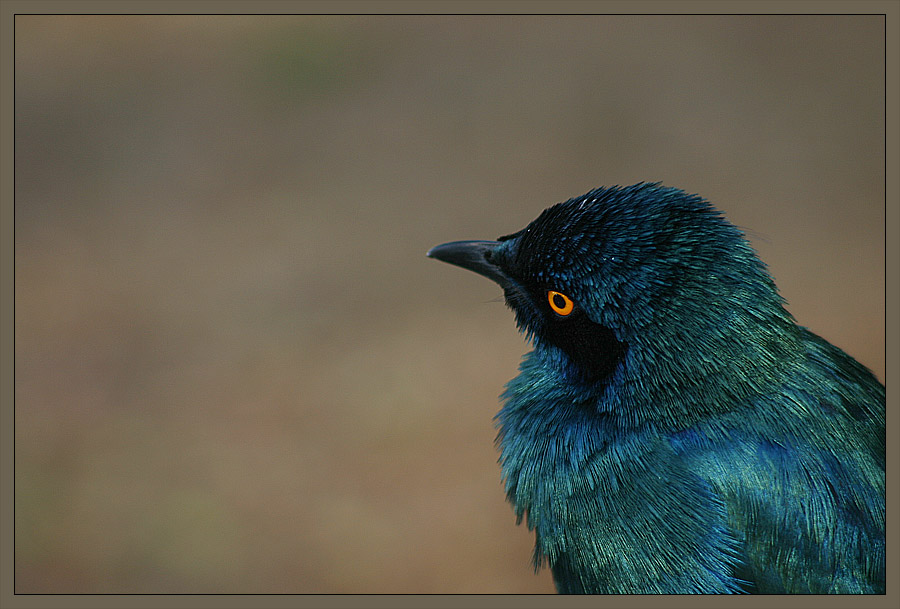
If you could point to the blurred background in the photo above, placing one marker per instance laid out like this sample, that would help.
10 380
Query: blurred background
236 371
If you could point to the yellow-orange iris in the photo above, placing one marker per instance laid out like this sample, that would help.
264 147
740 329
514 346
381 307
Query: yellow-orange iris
560 303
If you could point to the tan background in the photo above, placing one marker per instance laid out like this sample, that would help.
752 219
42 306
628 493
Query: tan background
235 369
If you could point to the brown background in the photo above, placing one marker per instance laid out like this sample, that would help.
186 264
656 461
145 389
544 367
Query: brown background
235 369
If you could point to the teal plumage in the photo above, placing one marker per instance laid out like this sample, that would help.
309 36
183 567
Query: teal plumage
676 431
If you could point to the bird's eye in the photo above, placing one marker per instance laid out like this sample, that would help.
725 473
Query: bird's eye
560 303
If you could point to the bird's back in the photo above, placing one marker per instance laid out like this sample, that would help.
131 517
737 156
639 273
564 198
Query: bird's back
804 479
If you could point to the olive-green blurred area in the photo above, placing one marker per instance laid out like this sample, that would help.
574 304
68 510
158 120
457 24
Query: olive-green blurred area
236 370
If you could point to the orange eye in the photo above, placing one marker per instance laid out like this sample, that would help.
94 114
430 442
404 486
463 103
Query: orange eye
560 303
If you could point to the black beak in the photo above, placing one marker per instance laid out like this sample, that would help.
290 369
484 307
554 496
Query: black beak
474 256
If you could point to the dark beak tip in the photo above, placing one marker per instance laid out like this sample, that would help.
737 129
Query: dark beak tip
461 253
470 255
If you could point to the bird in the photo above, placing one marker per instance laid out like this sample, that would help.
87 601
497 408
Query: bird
673 429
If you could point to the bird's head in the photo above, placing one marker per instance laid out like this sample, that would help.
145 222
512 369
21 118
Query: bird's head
644 267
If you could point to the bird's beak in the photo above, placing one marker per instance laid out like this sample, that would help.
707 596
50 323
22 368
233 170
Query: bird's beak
474 256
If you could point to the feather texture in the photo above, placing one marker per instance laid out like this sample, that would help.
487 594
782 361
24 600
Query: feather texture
678 432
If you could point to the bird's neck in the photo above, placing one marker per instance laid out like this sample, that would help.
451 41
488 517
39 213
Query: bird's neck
549 423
